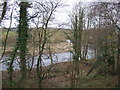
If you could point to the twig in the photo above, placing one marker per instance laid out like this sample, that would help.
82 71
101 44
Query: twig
7 34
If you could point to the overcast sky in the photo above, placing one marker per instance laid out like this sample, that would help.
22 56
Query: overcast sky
62 14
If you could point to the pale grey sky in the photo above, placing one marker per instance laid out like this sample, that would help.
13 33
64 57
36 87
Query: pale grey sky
62 14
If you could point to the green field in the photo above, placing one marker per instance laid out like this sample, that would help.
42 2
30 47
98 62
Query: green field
55 39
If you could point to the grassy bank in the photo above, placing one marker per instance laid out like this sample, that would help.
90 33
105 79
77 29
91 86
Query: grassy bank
60 77
57 41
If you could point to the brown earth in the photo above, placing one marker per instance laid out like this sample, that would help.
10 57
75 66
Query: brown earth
60 77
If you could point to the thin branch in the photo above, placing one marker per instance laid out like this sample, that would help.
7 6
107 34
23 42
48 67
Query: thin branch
7 34
4 11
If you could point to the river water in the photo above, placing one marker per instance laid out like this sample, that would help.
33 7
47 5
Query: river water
59 57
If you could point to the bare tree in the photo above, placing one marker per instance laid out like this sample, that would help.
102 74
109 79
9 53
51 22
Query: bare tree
77 28
45 11
106 16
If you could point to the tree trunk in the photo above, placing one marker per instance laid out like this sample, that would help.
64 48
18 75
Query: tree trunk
77 35
4 11
118 59
10 69
23 26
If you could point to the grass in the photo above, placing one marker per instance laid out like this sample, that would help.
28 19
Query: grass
57 38
11 38
58 78
98 81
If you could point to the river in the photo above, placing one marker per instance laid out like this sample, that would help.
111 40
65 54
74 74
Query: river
58 57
